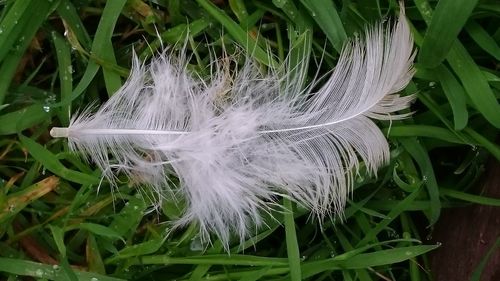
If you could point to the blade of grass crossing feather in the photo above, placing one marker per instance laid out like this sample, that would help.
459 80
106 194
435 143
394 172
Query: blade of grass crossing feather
300 34
292 246
238 34
45 271
483 39
50 161
475 84
378 258
455 94
447 20
418 152
65 69
174 34
22 119
476 275
327 18
222 259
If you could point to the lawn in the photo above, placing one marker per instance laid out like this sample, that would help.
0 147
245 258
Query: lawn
60 219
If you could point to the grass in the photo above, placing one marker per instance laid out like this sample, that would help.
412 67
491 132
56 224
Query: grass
57 56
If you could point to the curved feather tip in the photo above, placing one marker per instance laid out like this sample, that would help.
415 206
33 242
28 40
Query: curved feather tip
238 141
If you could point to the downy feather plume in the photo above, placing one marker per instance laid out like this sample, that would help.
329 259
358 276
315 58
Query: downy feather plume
238 141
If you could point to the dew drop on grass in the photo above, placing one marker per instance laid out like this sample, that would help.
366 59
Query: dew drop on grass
39 272
55 267
196 244
46 108
94 279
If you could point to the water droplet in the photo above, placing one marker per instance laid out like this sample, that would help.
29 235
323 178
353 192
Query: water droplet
55 267
196 244
66 33
39 272
46 108
94 279
70 69
432 84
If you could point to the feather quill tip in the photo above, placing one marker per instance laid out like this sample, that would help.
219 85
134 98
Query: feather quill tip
58 132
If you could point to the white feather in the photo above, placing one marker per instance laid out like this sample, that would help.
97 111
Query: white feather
237 141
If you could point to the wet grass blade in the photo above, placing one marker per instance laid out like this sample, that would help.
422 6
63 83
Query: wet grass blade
447 20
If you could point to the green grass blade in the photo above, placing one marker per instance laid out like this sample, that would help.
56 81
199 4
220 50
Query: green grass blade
63 53
22 119
455 94
50 161
475 84
238 34
326 16
470 197
16 43
291 241
418 152
448 19
378 258
424 131
45 271
483 39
